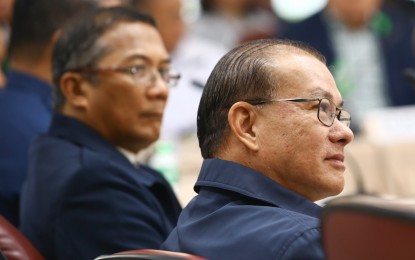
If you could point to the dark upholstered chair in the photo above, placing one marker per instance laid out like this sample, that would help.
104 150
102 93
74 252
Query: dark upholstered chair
14 245
150 254
363 227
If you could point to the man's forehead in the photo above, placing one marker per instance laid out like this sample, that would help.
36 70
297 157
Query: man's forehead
304 74
138 41
145 57
320 92
136 29
292 66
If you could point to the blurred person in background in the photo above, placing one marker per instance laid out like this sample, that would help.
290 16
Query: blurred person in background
368 46
168 18
111 75
230 22
26 100
6 10
194 57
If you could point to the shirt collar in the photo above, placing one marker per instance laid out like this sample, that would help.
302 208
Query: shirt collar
135 158
248 182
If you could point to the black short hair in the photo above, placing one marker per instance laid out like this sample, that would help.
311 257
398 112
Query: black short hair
35 21
246 73
77 45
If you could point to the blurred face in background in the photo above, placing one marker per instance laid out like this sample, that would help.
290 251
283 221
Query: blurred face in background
6 9
354 13
233 8
167 14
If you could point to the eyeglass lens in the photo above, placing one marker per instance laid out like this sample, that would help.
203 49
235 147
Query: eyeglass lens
327 112
144 74
147 75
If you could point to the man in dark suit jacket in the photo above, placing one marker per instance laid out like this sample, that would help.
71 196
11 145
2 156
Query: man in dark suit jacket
391 30
26 100
84 195
272 132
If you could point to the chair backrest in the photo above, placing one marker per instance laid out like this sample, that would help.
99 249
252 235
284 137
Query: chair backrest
363 227
14 245
150 254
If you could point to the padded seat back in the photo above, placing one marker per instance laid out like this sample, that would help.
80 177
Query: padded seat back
14 245
363 228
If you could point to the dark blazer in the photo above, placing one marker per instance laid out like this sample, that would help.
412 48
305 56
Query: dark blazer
83 198
25 112
241 214
396 44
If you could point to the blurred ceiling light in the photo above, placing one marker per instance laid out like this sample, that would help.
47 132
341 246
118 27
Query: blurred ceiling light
191 10
297 10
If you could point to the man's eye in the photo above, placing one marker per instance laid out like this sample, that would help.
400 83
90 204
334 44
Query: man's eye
164 72
325 108
139 66
139 69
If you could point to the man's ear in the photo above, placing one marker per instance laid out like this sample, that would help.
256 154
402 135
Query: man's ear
241 119
75 89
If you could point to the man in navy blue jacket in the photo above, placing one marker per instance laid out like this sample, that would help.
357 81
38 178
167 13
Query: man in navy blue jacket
272 131
26 100
86 194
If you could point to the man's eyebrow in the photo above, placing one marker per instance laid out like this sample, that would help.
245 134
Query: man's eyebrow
146 58
319 92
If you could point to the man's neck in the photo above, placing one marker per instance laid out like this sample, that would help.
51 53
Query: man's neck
41 69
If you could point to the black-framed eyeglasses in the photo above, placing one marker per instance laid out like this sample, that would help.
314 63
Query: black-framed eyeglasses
143 74
326 113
